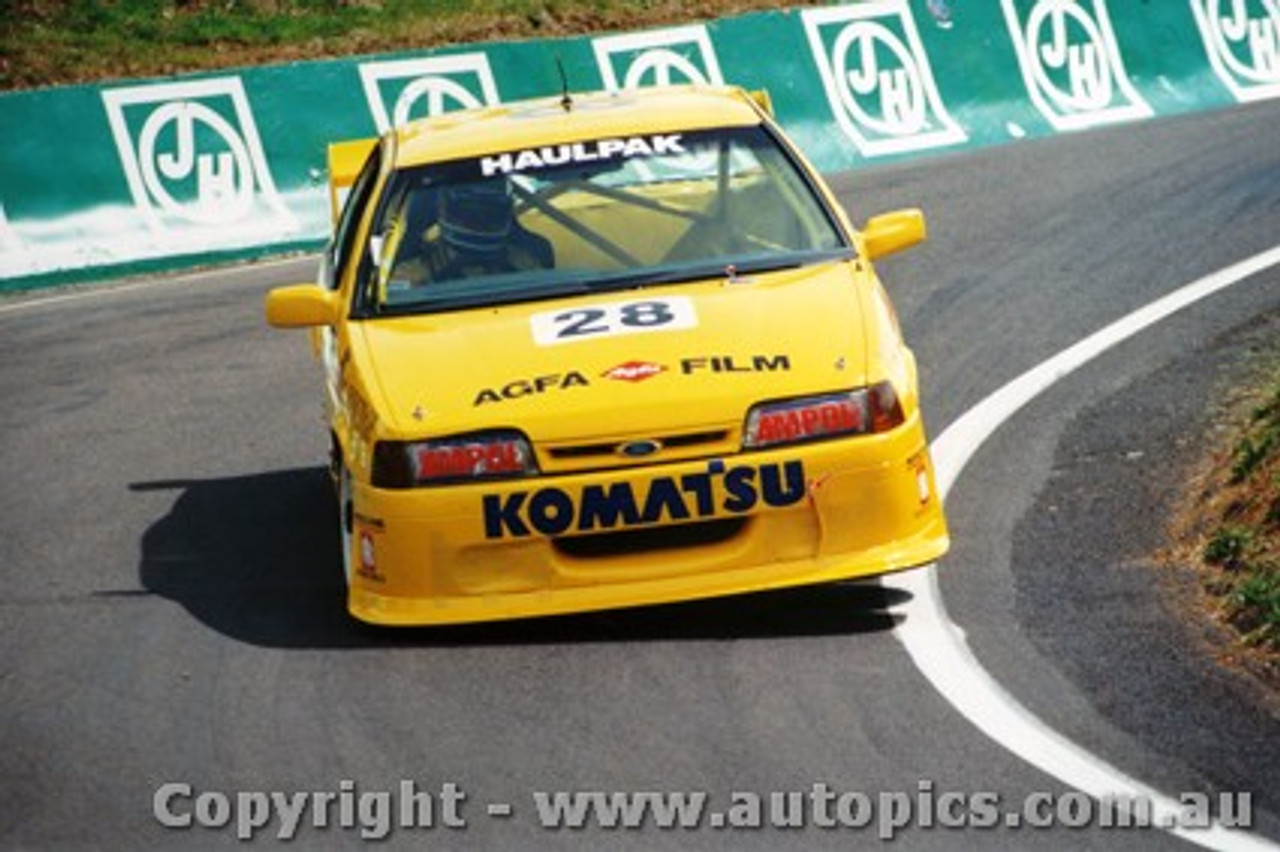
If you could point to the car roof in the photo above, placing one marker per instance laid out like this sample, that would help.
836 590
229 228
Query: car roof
547 121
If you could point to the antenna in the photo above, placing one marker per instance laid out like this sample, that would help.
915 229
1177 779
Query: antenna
566 100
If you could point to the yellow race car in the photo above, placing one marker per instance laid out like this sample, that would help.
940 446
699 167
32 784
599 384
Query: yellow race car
608 350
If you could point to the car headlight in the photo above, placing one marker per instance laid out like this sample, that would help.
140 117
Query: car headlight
866 410
463 458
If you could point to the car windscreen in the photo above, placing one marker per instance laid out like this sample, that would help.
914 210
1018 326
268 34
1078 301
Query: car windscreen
594 215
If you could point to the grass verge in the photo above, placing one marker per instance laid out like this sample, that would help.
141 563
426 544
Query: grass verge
55 42
1242 554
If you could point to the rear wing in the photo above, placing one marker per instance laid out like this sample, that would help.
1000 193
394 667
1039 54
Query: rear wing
345 161
762 99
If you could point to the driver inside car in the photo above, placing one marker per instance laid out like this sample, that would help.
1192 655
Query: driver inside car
477 234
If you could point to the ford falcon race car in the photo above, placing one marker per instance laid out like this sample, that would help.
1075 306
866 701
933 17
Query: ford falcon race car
608 350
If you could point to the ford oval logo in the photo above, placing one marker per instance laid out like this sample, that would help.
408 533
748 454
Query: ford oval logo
639 449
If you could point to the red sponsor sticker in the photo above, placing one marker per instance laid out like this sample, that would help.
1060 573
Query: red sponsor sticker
468 459
634 371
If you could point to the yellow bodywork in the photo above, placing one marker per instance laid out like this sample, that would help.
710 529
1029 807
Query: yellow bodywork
701 515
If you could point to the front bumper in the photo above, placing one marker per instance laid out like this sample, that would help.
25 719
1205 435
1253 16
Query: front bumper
798 515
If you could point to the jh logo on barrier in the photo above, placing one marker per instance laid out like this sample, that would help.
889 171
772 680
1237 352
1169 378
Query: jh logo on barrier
877 78
657 58
401 90
1071 62
192 155
1242 38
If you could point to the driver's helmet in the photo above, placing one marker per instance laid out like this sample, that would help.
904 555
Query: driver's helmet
477 217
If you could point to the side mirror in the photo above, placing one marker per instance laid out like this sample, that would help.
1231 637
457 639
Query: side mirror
301 306
892 232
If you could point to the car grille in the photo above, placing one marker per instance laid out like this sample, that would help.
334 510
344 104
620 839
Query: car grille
611 453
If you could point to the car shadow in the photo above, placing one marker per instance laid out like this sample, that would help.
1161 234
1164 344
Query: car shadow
256 558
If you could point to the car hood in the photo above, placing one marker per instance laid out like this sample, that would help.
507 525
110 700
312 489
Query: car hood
731 344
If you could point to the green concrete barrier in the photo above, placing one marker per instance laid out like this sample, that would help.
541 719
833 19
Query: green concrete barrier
161 174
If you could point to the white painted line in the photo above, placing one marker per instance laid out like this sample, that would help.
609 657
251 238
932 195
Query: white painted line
937 645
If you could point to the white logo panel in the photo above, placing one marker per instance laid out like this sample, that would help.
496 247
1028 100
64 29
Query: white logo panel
192 155
401 90
658 58
877 78
1242 38
1071 62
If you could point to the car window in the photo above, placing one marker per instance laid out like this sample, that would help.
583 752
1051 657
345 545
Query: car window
596 214
344 234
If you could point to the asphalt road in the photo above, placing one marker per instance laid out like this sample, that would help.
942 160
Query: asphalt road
172 612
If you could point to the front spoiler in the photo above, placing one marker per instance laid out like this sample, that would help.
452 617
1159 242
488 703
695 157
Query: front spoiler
866 506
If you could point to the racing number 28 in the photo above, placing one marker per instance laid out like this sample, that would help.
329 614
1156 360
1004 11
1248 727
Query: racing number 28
596 320
613 319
